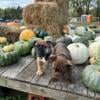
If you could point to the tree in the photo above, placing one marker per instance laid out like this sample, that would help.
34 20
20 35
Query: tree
98 8
81 6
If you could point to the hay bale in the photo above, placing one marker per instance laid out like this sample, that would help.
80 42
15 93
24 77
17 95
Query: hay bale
11 33
63 9
44 16
49 16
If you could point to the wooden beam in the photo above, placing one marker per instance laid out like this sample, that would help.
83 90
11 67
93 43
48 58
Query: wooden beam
39 90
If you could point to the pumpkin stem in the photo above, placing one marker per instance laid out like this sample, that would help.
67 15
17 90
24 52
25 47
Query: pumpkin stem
77 45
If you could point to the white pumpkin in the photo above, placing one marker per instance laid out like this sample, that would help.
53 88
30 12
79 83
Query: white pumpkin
97 39
94 50
79 53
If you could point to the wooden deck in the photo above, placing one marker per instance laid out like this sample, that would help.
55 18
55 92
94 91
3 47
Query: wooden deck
21 76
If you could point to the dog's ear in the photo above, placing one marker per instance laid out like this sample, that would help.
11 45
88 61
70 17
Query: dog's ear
52 58
69 62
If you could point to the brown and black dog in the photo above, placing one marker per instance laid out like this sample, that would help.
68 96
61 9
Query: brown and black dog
61 61
43 49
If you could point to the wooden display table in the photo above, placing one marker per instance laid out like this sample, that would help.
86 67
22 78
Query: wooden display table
21 76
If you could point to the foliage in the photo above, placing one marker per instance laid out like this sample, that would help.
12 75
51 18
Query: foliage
80 6
11 13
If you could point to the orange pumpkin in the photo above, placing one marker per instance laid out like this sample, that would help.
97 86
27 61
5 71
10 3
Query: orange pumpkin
26 34
12 24
92 60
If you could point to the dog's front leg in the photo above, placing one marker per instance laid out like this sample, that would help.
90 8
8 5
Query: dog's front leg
40 69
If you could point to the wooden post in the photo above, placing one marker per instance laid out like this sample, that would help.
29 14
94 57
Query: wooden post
30 96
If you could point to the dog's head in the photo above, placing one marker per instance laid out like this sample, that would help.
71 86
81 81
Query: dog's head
43 49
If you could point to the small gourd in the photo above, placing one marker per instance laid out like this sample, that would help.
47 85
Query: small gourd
3 40
8 48
33 53
92 60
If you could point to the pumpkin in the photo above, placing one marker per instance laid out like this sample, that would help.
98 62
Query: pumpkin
33 52
12 24
94 50
97 39
26 34
23 27
33 41
73 37
3 40
8 57
65 40
91 77
90 35
72 26
96 30
66 29
49 38
8 48
92 60
80 30
22 47
79 53
92 26
83 40
40 33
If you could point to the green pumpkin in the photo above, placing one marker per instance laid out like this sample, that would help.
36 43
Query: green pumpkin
49 38
34 40
22 47
2 45
86 38
96 30
40 33
33 52
91 77
65 40
7 58
80 30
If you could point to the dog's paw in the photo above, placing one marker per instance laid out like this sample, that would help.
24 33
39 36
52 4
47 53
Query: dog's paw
39 73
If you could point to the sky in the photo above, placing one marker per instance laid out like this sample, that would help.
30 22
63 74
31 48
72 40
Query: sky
14 3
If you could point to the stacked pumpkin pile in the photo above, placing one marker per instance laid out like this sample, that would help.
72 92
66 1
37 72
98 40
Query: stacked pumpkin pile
82 44
86 49
10 53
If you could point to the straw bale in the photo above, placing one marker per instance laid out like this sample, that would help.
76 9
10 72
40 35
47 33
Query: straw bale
49 15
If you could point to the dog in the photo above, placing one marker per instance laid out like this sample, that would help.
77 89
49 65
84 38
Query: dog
61 62
43 49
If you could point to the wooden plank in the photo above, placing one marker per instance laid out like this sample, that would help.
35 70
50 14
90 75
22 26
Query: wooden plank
90 93
18 67
44 79
39 90
28 73
97 96
64 86
58 85
3 69
78 85
52 85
